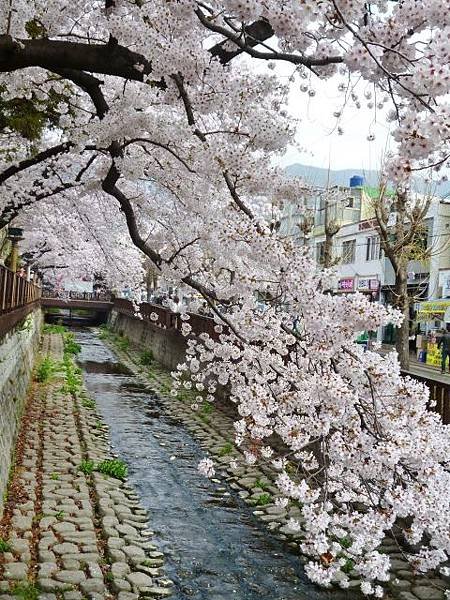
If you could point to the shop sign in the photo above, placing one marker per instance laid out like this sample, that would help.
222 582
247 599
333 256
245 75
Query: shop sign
367 284
434 308
346 285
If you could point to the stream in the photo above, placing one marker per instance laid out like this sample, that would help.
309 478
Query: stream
215 549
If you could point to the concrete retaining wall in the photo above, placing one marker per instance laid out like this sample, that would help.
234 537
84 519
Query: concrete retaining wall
17 352
168 346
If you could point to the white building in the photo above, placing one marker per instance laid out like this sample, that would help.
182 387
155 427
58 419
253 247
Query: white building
360 262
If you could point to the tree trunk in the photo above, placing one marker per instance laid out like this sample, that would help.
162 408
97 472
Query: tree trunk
328 251
402 304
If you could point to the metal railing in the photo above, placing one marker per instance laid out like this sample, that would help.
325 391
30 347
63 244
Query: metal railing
88 296
15 291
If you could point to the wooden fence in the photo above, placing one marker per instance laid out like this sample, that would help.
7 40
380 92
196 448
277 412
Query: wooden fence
439 394
17 298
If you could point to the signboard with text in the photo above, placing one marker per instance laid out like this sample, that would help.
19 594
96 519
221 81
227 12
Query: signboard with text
368 284
346 285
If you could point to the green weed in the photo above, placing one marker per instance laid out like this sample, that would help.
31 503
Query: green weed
146 357
263 499
261 484
348 566
54 476
70 345
228 449
123 343
86 466
72 376
45 370
54 329
88 403
60 515
113 467
26 591
5 546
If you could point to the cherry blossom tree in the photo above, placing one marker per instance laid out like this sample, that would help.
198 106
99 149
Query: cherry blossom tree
150 119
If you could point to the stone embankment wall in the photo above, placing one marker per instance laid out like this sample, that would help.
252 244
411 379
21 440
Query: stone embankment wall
168 346
17 352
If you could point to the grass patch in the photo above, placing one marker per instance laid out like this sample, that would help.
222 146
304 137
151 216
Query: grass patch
54 329
261 484
70 345
205 411
227 449
348 566
263 499
86 466
123 343
5 546
72 376
146 357
45 370
113 467
26 591
88 403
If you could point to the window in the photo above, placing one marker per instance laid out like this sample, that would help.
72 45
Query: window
373 249
348 252
320 252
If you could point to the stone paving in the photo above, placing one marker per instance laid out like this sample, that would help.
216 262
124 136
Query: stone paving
254 484
71 533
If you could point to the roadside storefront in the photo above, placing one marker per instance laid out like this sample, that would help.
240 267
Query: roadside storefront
432 317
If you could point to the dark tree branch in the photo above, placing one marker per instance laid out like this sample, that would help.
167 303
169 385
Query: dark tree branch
247 45
55 55
90 84
256 32
11 211
34 160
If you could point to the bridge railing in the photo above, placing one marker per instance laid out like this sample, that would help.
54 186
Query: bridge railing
15 291
88 296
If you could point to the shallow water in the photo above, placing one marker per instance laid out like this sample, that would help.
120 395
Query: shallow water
215 548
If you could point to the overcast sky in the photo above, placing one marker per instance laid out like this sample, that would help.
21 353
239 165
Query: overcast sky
321 145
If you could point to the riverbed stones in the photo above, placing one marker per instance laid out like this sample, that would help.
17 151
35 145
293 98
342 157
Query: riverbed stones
16 570
75 524
426 592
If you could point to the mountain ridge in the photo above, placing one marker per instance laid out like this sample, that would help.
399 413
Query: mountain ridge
321 177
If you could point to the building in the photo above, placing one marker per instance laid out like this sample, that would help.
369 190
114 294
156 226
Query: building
359 260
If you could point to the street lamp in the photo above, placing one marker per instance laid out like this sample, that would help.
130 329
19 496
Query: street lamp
15 235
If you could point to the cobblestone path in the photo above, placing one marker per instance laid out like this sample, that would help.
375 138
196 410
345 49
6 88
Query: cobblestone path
71 533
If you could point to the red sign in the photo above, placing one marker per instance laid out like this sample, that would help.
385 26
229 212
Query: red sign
346 285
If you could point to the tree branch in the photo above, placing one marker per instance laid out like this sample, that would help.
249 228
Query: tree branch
262 33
